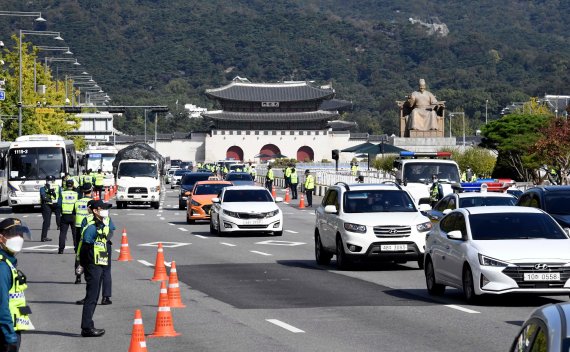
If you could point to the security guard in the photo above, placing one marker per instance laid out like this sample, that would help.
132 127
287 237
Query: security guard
294 180
309 187
353 169
287 176
269 178
13 309
50 196
93 256
81 212
99 181
68 199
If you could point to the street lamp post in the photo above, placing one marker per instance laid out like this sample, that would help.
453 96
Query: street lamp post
486 104
145 125
38 15
55 35
463 116
155 123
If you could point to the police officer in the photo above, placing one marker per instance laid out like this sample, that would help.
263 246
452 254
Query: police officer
434 194
81 212
50 196
252 171
287 176
99 181
68 199
353 168
293 182
269 178
13 309
93 256
309 187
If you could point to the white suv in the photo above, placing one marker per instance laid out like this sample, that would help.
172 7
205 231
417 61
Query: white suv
369 221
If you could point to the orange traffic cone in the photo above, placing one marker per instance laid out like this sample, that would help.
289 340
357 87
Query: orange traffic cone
287 197
174 297
125 254
273 192
138 342
163 327
302 202
159 267
106 194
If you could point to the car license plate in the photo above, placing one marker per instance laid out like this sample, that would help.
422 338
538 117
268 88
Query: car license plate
541 276
137 196
252 222
393 247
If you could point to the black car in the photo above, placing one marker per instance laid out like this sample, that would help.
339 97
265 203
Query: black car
187 184
555 200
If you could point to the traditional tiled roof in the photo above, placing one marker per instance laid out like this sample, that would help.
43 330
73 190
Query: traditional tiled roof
270 92
338 125
270 116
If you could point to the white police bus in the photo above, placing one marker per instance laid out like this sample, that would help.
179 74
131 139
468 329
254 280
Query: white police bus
4 147
30 160
101 157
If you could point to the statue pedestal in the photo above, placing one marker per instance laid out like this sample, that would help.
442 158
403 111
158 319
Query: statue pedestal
426 134
425 144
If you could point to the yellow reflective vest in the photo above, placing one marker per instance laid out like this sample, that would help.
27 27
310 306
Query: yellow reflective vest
68 199
17 303
81 211
310 182
100 254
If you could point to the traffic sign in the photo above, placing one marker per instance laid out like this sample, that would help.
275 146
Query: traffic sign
2 95
44 111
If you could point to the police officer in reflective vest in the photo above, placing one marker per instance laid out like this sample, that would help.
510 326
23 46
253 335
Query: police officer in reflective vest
50 197
269 178
253 172
68 199
14 313
287 176
87 178
309 187
294 180
81 212
99 181
94 256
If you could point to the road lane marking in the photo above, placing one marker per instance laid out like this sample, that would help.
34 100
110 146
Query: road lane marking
280 243
291 231
171 224
466 310
176 213
118 250
161 218
182 229
200 236
285 326
164 244
228 244
262 253
144 262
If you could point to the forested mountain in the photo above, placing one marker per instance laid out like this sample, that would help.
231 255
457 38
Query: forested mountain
372 51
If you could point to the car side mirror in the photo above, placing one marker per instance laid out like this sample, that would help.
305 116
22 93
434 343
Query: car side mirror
187 193
278 200
455 235
330 209
216 200
446 211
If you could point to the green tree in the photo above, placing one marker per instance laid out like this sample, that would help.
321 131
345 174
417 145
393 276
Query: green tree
480 160
385 163
34 119
553 148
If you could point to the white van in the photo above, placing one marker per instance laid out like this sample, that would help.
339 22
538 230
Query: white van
138 182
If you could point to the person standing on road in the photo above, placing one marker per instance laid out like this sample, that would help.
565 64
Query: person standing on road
93 256
68 199
50 197
309 187
81 212
287 176
99 181
293 183
13 309
269 178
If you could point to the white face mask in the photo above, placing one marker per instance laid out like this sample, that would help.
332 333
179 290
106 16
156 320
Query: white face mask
104 213
14 244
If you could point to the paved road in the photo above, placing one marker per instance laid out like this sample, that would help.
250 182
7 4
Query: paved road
256 293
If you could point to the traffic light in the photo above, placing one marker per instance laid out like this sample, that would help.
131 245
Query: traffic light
335 154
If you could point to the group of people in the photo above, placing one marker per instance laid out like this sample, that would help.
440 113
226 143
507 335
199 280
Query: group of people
223 170
291 181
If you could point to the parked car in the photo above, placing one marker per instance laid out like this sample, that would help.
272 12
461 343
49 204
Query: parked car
467 200
177 176
199 201
555 200
246 209
187 184
369 221
545 330
240 179
497 250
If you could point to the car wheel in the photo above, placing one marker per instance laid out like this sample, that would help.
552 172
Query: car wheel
421 262
181 207
155 205
342 261
188 220
277 233
213 230
468 286
221 233
321 256
433 287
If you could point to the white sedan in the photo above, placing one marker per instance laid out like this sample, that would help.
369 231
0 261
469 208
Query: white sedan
498 250
246 209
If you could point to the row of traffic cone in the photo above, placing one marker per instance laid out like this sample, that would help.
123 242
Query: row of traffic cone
288 198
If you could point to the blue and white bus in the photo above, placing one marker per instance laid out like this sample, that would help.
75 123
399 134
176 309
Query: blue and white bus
30 160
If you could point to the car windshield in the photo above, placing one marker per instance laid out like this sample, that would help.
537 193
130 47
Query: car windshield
138 170
214 188
35 163
423 172
486 201
247 195
375 201
514 226
558 203
188 180
238 177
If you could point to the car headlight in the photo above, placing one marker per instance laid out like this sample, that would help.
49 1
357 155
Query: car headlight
354 227
155 189
233 214
121 189
488 261
423 227
272 213
195 203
